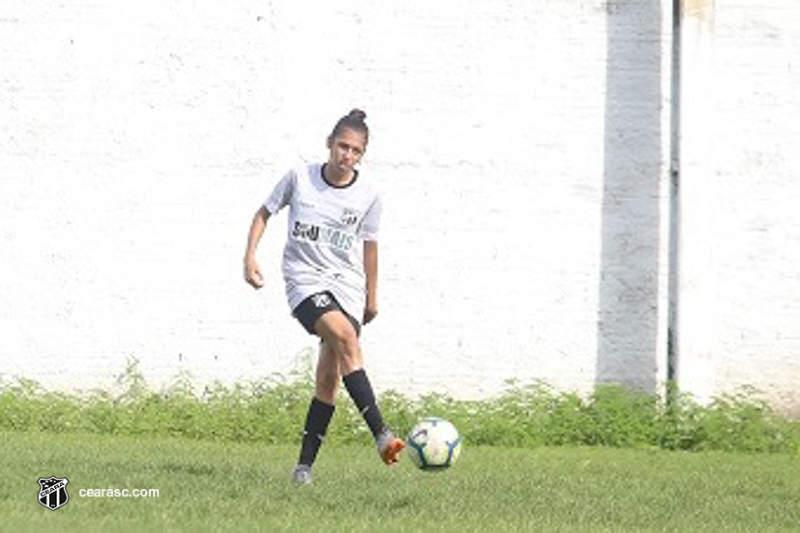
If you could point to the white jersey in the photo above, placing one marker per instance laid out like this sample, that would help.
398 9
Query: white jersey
327 228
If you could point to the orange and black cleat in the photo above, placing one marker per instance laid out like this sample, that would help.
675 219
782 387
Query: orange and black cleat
389 447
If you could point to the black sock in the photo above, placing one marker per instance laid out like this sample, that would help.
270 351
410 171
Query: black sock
317 420
360 391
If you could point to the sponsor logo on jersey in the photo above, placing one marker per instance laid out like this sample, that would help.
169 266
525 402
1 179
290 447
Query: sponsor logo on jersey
332 237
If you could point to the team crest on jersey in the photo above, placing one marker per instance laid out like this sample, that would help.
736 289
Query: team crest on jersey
53 492
349 216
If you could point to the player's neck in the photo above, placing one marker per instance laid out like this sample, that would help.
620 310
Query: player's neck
337 178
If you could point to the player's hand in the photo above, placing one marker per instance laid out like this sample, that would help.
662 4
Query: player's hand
252 274
370 312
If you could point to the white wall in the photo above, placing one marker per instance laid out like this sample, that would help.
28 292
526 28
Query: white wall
521 146
740 297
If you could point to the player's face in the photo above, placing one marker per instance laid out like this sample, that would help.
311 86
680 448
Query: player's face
347 149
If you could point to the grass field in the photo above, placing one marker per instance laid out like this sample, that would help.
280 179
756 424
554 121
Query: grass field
224 486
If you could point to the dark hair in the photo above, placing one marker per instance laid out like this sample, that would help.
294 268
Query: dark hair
354 120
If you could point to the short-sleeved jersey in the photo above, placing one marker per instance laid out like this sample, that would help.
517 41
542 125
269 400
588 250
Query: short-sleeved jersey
327 228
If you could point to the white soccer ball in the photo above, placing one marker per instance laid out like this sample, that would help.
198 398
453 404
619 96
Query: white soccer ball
434 444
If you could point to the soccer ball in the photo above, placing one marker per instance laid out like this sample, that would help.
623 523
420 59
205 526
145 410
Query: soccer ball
434 444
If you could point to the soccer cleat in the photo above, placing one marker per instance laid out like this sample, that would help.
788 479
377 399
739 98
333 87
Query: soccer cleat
389 447
301 475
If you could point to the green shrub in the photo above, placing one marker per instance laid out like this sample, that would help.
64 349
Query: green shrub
273 409
744 422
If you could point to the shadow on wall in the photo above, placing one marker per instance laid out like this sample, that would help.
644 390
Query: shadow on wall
627 327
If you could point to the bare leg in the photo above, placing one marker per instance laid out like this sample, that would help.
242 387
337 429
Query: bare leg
338 334
328 374
341 339
320 412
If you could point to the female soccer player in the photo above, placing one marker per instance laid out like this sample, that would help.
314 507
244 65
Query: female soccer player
330 266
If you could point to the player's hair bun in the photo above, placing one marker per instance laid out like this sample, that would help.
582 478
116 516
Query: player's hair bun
357 114
354 120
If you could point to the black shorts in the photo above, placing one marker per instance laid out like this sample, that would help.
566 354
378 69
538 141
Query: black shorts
309 310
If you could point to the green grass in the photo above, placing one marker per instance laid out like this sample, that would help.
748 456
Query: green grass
535 459
228 486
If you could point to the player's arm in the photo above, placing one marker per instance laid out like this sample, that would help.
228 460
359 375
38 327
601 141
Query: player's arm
252 272
371 271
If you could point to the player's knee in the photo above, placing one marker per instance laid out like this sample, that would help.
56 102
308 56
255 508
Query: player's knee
340 336
348 345
345 344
